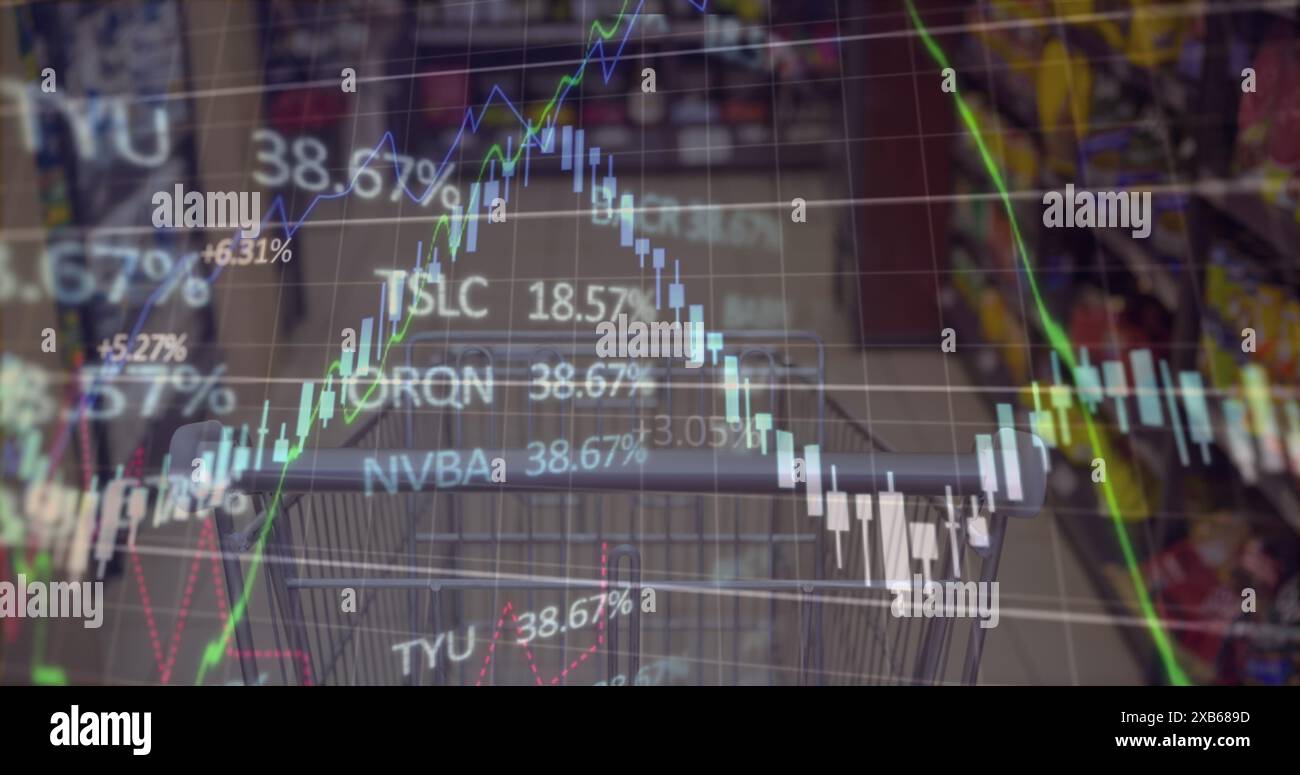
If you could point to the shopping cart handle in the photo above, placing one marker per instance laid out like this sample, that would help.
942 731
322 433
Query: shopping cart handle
1019 469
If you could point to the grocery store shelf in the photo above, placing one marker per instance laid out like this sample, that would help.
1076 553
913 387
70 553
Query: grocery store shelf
1271 224
1141 260
1282 498
1275 487
1175 105
1169 92
1001 96
1152 276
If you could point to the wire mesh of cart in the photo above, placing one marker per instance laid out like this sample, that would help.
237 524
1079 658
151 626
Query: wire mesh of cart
637 536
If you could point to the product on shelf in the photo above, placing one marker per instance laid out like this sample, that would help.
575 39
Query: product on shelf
1145 31
1268 120
1238 296
1270 657
1007 50
1064 90
1193 581
1202 579
1113 326
1125 144
1011 148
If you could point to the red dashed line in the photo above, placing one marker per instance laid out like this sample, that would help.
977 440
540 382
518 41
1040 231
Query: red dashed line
207 540
231 651
508 610
148 610
492 647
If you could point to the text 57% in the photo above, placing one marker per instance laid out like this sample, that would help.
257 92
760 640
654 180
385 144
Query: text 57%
107 390
199 390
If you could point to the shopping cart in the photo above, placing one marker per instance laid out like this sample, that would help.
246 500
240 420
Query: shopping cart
550 576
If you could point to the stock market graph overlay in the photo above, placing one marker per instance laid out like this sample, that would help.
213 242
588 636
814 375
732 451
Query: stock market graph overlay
649 342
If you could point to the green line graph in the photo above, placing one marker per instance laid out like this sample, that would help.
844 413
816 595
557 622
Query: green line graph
40 570
1060 342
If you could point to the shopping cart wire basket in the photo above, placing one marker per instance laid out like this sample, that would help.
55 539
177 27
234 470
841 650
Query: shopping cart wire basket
676 557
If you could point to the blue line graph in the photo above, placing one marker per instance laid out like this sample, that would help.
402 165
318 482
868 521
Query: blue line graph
608 63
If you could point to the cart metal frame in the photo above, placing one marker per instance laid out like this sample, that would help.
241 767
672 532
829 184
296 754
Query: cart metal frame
454 573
